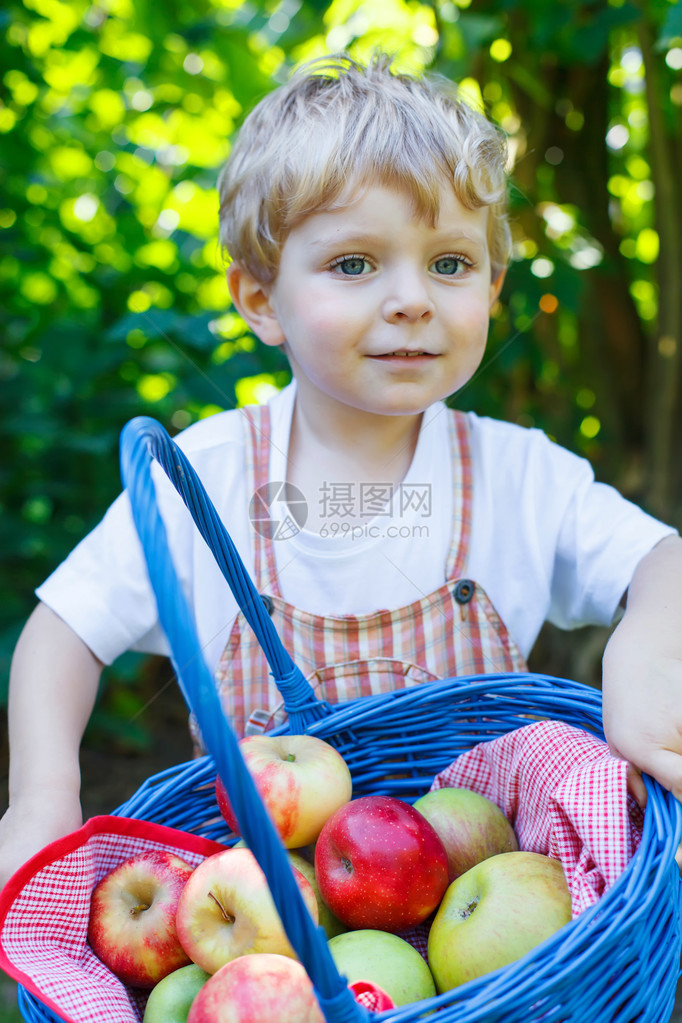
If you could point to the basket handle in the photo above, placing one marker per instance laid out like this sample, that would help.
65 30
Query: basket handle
143 440
146 434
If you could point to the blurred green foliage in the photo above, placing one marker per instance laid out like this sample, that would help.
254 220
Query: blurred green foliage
114 118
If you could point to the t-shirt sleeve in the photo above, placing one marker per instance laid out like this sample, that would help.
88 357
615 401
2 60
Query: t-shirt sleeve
601 538
548 542
102 589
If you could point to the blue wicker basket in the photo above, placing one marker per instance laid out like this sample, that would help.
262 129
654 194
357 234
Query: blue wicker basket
618 961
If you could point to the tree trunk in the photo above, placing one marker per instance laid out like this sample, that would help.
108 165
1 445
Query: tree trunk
611 338
664 405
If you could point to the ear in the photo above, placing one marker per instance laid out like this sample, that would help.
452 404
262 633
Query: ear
252 300
496 286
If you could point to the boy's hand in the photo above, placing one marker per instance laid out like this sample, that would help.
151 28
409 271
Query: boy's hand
643 716
32 823
642 670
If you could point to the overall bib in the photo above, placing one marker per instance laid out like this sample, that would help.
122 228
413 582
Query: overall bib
452 631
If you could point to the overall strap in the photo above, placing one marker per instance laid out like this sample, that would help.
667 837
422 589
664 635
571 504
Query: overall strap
462 494
257 460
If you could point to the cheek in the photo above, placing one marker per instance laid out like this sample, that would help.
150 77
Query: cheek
316 314
473 317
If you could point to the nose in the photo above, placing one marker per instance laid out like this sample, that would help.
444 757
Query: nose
408 298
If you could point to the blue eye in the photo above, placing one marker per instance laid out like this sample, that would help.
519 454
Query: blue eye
447 265
352 266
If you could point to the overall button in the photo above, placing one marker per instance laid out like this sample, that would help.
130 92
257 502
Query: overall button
464 591
268 603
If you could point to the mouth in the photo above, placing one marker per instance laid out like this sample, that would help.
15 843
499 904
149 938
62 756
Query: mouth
406 353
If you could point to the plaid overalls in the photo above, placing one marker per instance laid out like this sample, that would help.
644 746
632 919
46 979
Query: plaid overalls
453 631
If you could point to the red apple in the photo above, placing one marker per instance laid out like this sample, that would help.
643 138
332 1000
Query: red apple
379 864
132 918
226 910
301 779
259 988
470 826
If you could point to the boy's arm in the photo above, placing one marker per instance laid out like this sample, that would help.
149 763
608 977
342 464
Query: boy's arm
642 669
53 685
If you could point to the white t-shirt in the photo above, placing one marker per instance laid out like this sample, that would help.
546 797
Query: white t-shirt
547 543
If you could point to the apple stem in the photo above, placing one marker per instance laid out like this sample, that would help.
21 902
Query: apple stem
226 916
291 757
140 908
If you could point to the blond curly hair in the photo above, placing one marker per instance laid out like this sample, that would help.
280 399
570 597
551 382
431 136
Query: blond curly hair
338 125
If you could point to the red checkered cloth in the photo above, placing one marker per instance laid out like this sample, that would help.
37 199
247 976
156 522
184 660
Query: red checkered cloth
371 996
44 911
565 795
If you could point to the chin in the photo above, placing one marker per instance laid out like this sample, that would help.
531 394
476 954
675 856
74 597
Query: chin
373 398
405 405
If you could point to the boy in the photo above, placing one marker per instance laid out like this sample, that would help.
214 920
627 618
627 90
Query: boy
364 214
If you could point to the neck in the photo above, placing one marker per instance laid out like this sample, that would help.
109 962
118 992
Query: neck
362 444
333 457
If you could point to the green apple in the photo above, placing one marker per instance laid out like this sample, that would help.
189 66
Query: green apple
495 914
386 960
330 924
470 826
170 1000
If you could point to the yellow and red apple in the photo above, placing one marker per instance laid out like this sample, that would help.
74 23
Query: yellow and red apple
470 826
132 917
226 910
301 779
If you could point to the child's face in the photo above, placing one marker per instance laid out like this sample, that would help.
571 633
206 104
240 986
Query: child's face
379 311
